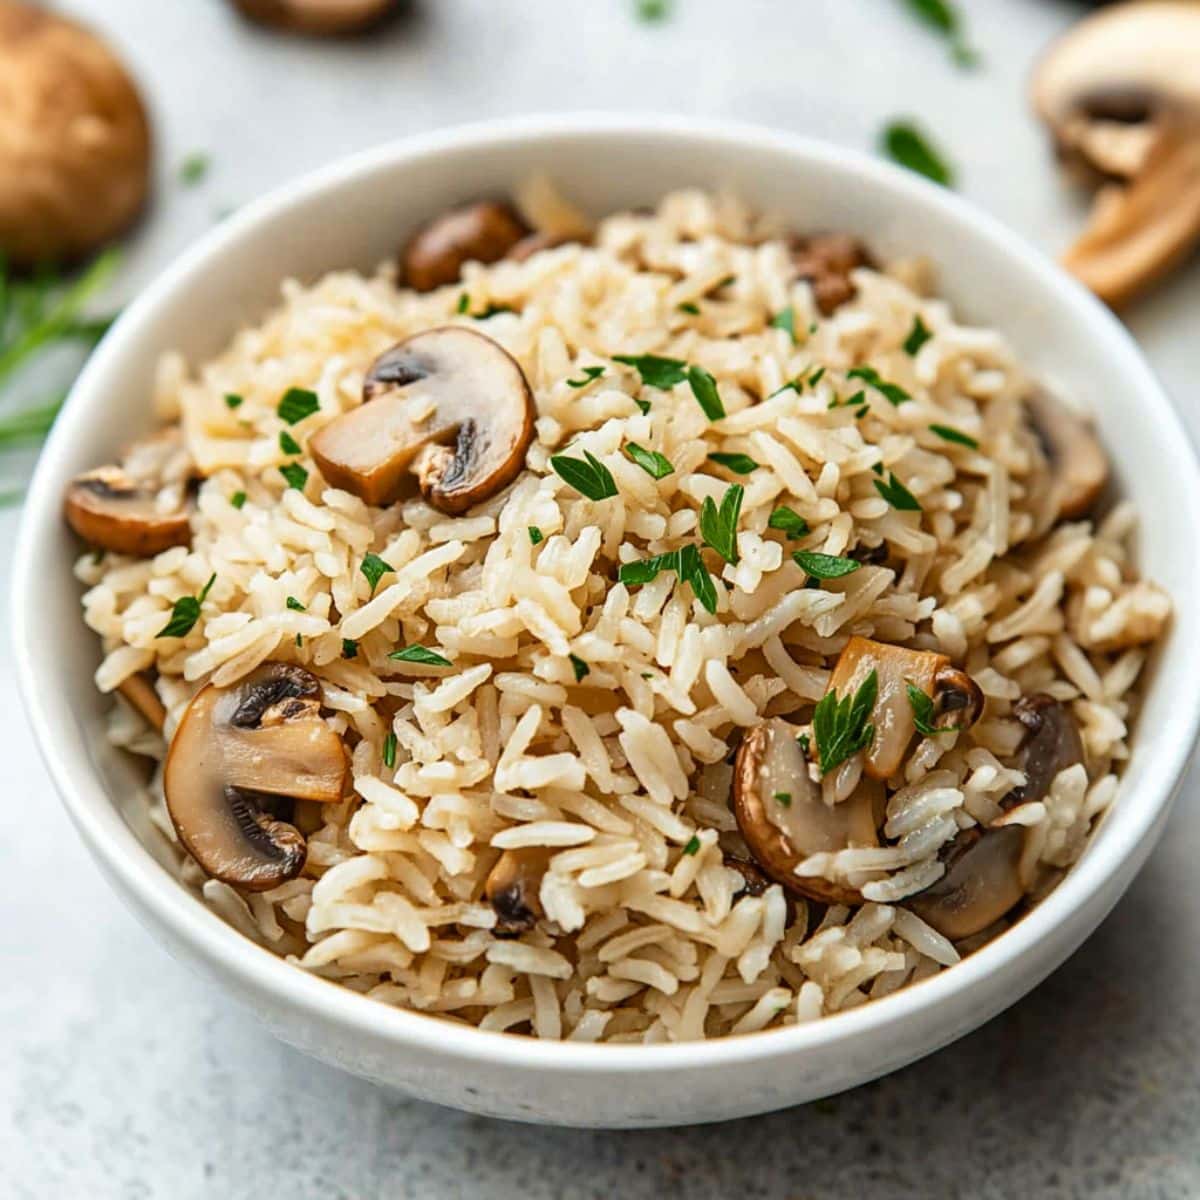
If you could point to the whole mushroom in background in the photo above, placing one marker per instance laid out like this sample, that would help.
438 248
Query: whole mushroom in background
1120 93
74 140
321 18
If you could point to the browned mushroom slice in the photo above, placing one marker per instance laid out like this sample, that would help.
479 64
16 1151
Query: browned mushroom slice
1051 744
826 260
1078 462
108 508
982 882
138 691
784 819
449 406
1121 96
238 750
483 232
956 697
511 889
320 18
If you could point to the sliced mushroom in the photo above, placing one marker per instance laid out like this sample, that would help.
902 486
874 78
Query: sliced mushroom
449 406
956 697
1051 744
512 887
132 508
1121 95
138 691
319 18
826 260
784 819
240 750
1078 463
482 232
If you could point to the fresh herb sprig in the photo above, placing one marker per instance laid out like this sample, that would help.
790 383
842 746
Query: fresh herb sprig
896 494
824 566
422 655
656 465
718 525
185 612
841 728
590 478
904 143
688 566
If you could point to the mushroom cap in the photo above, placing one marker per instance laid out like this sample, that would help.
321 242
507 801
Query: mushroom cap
1052 743
74 139
235 747
109 509
781 834
485 232
318 18
1077 460
511 888
450 406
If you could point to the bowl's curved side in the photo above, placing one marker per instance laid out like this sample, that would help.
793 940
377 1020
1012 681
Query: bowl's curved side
352 214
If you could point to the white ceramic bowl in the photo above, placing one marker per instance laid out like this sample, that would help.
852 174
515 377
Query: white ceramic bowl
354 214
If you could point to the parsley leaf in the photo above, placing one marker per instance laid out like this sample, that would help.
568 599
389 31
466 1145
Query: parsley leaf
655 371
349 648
579 667
374 569
295 475
785 319
590 374
590 478
491 310
295 604
924 715
693 845
687 565
948 434
943 16
389 750
718 526
419 654
233 400
918 335
185 612
692 309
840 727
656 465
905 144
296 404
789 521
536 536
644 405
824 566
896 494
739 464
704 388
464 304
287 443
237 499
647 569
784 798
194 168
892 392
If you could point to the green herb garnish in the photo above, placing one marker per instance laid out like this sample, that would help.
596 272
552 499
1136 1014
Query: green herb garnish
948 434
536 536
687 565
655 371
233 400
237 499
296 404
579 667
420 654
464 304
295 604
374 569
785 319
892 392
693 845
295 475
924 715
389 750
718 526
194 168
692 310
841 727
943 16
896 494
784 798
802 742
905 144
185 612
643 405
789 521
918 335
590 375
656 465
287 443
739 464
491 310
590 478
824 566
704 388
349 648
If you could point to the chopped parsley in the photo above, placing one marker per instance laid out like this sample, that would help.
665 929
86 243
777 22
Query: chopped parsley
589 375
296 404
840 727
859 398
704 388
420 654
896 494
287 443
784 798
788 521
299 642
295 604
824 566
579 667
785 319
536 536
389 750
918 335
233 400
656 465
687 565
655 371
718 526
491 310
643 405
905 144
692 309
815 377
295 475
949 434
590 478
464 304
185 612
374 569
924 716
693 846
237 499
802 742
943 17
194 168
892 392
739 464
349 648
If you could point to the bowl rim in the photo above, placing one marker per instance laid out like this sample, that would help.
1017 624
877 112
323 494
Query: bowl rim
209 937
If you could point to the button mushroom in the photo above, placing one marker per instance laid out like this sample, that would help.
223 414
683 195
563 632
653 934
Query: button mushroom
74 139
784 819
511 889
1051 744
1078 463
826 260
482 232
239 751
138 507
957 700
449 406
320 18
1121 95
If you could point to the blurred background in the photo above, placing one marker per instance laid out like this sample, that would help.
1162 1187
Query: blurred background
124 1076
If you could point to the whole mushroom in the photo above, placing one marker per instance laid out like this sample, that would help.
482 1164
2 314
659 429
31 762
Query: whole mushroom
485 232
238 752
320 18
1120 93
74 139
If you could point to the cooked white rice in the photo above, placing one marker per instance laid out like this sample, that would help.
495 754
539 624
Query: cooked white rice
623 774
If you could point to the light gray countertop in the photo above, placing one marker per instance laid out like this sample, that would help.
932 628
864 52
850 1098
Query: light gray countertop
124 1076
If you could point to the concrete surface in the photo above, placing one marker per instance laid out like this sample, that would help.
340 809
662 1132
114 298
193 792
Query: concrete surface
123 1076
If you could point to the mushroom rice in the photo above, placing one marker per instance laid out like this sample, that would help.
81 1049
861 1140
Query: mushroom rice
665 629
